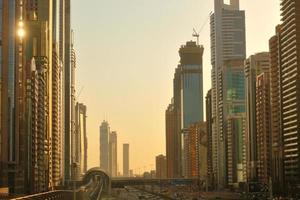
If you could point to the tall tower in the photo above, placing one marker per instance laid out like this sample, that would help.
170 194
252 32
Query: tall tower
177 122
65 55
191 91
41 128
211 147
254 66
229 21
75 157
8 94
263 127
290 78
113 154
192 83
170 141
80 140
104 146
276 114
126 160
57 108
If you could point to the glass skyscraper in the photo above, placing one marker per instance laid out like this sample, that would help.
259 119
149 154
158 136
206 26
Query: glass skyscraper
191 83
228 44
191 94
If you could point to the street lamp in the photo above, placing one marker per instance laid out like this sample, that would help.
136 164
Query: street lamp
21 31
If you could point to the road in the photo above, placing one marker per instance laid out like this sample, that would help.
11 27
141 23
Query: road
130 193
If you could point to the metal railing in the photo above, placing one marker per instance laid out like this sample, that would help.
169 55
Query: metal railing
52 195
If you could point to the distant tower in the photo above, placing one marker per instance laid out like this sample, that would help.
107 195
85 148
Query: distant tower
104 146
126 160
113 152
81 138
170 141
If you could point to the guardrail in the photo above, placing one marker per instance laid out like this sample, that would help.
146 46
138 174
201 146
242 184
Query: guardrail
53 195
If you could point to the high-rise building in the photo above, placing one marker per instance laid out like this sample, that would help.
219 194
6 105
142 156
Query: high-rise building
254 65
36 102
191 83
263 128
126 160
236 150
276 114
228 44
31 96
9 137
197 150
290 91
161 166
75 156
81 142
65 52
113 153
171 141
191 77
233 118
39 45
211 147
104 146
177 123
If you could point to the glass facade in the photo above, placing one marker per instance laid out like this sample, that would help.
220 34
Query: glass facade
1 8
235 91
11 79
192 94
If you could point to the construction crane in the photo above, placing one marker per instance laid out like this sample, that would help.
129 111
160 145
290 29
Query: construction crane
197 34
79 93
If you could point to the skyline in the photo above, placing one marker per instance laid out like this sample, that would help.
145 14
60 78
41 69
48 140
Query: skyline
163 64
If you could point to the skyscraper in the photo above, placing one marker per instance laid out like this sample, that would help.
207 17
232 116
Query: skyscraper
81 139
126 160
211 147
75 156
197 150
254 66
57 96
31 96
65 55
177 122
276 114
229 21
290 78
8 94
191 77
104 146
263 127
113 153
192 83
232 108
171 141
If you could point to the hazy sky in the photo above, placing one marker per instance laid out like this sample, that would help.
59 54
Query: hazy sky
127 51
